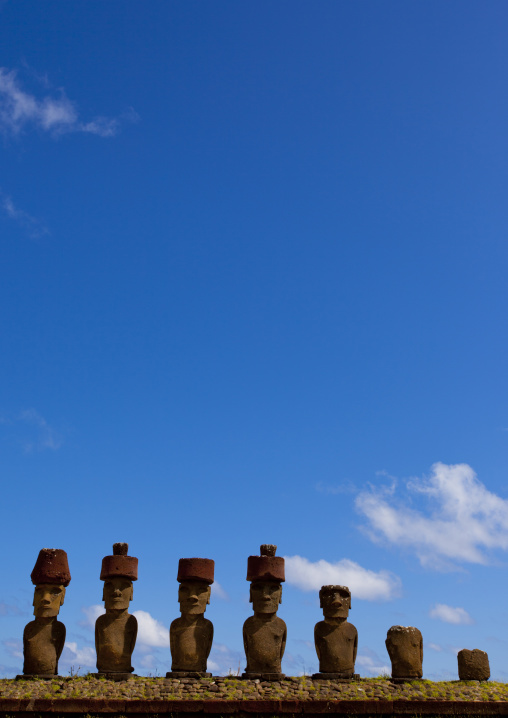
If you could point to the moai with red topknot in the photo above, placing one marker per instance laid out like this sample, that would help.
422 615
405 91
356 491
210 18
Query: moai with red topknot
116 630
191 635
44 637
335 639
264 633
405 648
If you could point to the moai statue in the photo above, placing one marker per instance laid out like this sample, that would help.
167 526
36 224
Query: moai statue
264 633
191 635
405 648
336 640
116 630
44 637
473 665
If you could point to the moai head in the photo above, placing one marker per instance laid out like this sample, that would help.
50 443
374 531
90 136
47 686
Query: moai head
405 648
266 573
195 576
50 575
335 601
118 572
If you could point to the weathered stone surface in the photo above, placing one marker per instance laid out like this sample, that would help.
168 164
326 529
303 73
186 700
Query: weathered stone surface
51 567
405 648
44 637
264 633
191 635
335 639
473 665
116 630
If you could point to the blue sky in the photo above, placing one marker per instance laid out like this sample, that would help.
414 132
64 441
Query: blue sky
253 288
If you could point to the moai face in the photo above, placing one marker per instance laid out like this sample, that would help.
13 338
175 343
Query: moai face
117 593
265 596
193 597
48 597
335 601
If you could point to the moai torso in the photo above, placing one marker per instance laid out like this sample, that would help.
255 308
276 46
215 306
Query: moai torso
190 644
116 631
115 638
264 640
264 633
336 647
43 642
405 648
191 635
44 637
335 639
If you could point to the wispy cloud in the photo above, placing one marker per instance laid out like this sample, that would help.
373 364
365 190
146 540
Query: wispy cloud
448 614
346 487
46 436
56 113
362 582
74 658
372 664
462 521
33 226
219 592
434 647
225 661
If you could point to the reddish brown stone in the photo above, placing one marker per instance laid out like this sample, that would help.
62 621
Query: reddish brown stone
119 564
473 665
267 566
196 569
405 648
51 567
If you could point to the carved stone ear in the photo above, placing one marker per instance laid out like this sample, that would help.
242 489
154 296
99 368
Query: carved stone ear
63 596
209 594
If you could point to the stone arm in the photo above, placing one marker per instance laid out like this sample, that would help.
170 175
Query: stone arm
60 641
210 641
355 647
133 633
316 642
283 643
245 643
421 651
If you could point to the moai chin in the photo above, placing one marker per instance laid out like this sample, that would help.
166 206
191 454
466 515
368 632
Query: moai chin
473 665
116 630
405 648
44 637
335 639
264 633
191 635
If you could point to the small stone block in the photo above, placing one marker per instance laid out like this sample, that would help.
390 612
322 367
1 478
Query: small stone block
333 677
115 676
188 674
264 676
473 665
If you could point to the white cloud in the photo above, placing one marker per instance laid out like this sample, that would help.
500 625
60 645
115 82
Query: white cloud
34 227
463 521
363 583
55 114
219 592
371 664
92 613
74 658
150 631
434 646
46 436
448 614
13 647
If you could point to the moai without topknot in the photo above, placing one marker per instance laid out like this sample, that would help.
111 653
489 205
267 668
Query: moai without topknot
116 630
264 633
473 665
44 637
335 639
191 635
405 648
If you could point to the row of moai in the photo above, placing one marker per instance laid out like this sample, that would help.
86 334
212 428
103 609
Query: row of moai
191 635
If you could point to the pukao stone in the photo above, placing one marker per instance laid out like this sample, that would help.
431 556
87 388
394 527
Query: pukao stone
264 633
191 635
116 630
335 639
405 648
473 665
44 637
